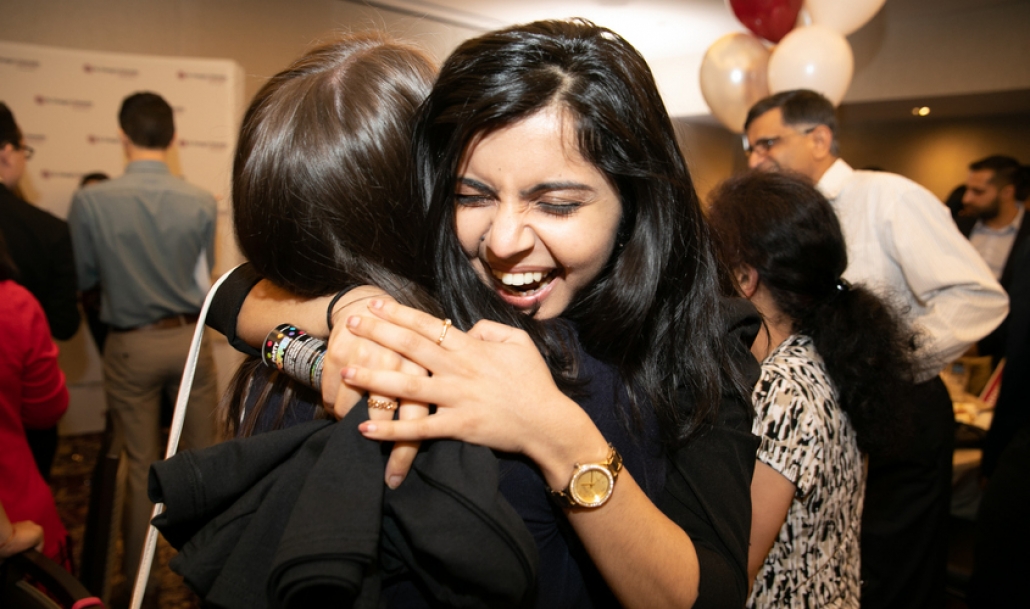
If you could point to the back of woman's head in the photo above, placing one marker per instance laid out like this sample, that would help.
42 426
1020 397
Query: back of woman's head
658 292
322 197
782 227
321 194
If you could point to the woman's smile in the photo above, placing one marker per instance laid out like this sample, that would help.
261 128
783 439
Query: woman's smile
524 289
536 219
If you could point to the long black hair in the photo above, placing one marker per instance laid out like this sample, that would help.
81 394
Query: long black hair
654 311
321 193
781 226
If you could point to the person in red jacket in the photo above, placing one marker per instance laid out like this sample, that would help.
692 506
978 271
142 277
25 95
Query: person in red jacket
32 395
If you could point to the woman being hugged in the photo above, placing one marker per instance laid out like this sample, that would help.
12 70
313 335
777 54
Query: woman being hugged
321 199
835 363
555 188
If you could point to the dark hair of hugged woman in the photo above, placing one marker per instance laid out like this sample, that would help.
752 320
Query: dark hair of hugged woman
320 195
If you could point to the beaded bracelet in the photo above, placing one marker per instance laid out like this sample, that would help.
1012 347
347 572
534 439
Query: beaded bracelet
295 353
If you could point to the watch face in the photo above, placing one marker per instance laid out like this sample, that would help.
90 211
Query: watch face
591 486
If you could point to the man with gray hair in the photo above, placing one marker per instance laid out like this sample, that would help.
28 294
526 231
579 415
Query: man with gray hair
902 243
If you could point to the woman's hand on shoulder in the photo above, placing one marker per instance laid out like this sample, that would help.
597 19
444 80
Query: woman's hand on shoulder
346 349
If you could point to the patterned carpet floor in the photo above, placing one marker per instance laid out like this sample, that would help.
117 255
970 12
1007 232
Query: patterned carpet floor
70 481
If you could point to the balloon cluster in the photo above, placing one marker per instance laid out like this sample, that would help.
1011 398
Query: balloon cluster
810 52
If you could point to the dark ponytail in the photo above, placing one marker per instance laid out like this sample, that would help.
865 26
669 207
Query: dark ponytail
782 227
867 348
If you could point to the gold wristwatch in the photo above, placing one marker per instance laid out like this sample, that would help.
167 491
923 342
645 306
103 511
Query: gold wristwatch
591 484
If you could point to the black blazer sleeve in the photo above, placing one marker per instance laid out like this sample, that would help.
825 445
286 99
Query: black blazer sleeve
40 245
61 301
226 305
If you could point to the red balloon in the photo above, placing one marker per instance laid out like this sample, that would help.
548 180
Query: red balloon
769 19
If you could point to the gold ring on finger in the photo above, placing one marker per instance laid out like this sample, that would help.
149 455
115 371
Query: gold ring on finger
443 333
382 404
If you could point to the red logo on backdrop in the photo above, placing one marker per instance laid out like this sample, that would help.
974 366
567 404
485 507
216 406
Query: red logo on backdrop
20 62
89 68
212 78
102 139
47 174
202 144
75 104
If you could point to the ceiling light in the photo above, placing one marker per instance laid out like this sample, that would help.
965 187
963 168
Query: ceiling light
921 111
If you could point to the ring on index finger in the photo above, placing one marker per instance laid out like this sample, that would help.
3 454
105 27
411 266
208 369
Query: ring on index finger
443 333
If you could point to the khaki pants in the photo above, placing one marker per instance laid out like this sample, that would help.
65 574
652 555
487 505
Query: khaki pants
138 366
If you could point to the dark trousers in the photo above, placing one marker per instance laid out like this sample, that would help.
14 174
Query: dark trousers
1001 563
905 516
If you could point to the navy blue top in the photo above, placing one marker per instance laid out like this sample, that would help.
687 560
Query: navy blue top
568 577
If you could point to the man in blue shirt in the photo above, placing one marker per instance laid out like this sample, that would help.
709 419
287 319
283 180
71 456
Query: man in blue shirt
147 238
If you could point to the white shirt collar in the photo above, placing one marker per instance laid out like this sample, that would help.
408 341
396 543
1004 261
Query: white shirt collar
834 179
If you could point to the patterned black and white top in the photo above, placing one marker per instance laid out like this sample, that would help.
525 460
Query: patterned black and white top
807 438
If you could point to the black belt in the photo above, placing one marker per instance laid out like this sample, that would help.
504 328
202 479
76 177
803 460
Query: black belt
165 323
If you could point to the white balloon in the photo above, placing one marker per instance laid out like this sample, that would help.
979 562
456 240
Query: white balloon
844 16
813 57
733 77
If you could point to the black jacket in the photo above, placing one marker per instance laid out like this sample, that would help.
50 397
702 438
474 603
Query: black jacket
41 247
1012 412
301 518
965 226
994 343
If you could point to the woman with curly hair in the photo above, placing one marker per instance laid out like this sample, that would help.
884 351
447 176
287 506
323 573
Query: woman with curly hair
835 360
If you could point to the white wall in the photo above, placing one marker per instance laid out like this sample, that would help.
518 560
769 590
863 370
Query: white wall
927 48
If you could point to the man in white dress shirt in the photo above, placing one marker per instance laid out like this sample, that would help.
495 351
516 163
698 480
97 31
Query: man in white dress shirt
902 243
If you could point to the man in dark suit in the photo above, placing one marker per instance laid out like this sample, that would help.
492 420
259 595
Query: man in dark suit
1000 560
993 219
40 246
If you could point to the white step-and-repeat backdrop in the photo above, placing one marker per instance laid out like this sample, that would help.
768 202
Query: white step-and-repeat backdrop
66 102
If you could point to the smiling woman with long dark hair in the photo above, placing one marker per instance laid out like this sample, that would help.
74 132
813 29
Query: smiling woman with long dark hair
556 189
